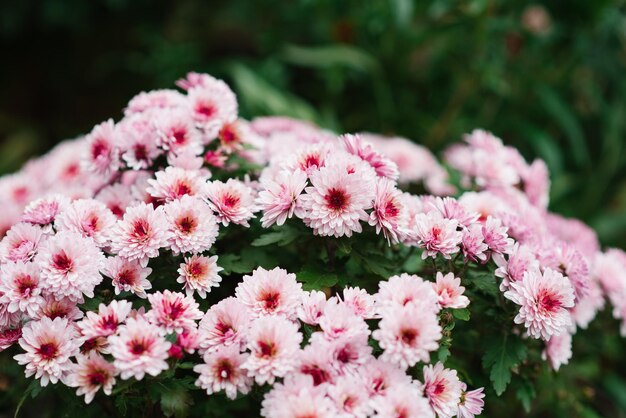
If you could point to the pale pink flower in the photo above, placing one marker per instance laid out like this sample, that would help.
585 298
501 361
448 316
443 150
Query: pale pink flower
174 183
279 197
154 100
383 166
192 225
116 197
198 274
274 343
450 291
136 133
236 136
336 202
404 401
404 289
44 211
350 398
139 349
140 234
471 403
21 243
537 183
495 236
127 275
222 370
20 288
213 104
437 235
224 324
588 306
270 292
473 244
382 378
102 153
389 213
314 360
105 322
362 303
92 373
451 208
443 390
568 261
232 201
309 159
312 307
48 346
194 79
297 398
575 233
176 132
9 336
520 260
88 217
61 308
339 320
558 350
544 300
408 334
70 265
173 311
349 352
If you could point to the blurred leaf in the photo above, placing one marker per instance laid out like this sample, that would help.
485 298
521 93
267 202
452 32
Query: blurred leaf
281 237
461 314
331 56
233 263
501 356
316 280
175 400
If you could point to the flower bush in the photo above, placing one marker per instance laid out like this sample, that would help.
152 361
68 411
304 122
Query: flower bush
183 255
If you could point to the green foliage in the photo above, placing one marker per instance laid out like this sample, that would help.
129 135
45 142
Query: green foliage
501 357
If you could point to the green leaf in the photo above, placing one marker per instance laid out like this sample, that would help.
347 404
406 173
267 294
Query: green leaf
443 353
484 282
525 394
501 356
461 314
284 236
175 400
232 263
33 389
315 280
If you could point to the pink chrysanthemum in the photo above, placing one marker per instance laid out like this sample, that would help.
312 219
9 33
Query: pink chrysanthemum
44 211
270 292
340 320
520 260
335 204
315 361
174 183
193 227
274 343
70 265
362 303
105 322
127 276
309 159
348 353
139 349
443 390
558 350
9 336
198 274
116 197
176 132
404 401
154 100
495 236
213 104
544 300
312 307
471 403
279 197
382 378
139 149
173 311
295 398
21 243
473 244
88 217
61 308
224 324
140 234
20 288
48 346
102 156
222 370
404 289
91 374
232 201
389 213
383 166
350 398
408 334
451 208
450 291
437 235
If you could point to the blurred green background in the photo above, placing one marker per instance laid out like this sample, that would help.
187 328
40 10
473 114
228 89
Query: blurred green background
548 77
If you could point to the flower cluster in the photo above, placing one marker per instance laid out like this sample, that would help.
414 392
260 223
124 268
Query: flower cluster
111 258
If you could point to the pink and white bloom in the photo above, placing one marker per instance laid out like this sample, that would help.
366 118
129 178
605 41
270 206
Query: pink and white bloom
473 244
193 227
279 197
70 265
339 320
404 400
312 306
88 217
20 288
558 350
48 345
297 397
544 299
383 166
140 234
274 343
443 389
155 100
92 373
176 132
59 308
43 211
9 336
139 349
127 276
389 213
451 208
21 243
106 321
495 236
232 201
173 183
117 197
213 104
222 370
198 274
350 398
404 289
450 291
471 403
224 324
270 292
437 235
173 311
362 303
520 260
102 151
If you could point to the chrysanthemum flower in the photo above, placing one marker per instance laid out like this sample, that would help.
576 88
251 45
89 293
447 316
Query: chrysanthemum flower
174 183
127 275
198 274
20 288
404 289
116 197
408 334
348 353
471 403
544 300
297 397
495 236
270 292
9 336
450 291
279 197
558 350
70 265
312 307
192 225
173 311
222 370
473 244
88 217
309 160
224 324
443 389
273 342
213 104
383 166
520 260
102 156
155 100
59 308
136 139
140 234
92 373
48 345
382 378
451 208
21 243
340 320
176 132
106 320
315 361
437 235
350 397
232 201
389 213
139 349
362 303
404 401
44 211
